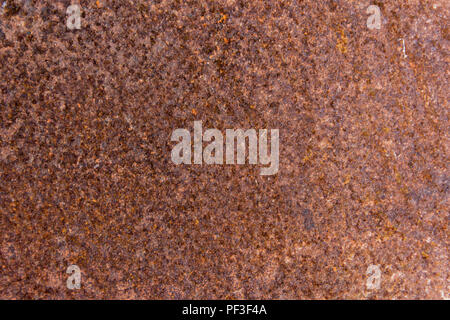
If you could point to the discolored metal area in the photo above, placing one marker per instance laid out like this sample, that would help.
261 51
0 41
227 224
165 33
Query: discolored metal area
86 176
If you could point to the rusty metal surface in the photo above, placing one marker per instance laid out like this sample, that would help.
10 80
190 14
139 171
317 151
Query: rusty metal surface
86 176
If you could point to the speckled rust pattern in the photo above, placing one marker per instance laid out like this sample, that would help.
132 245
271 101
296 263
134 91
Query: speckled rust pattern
87 179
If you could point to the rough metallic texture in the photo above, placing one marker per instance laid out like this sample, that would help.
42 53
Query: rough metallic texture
87 179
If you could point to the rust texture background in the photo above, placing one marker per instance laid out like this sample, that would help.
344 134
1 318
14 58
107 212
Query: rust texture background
86 176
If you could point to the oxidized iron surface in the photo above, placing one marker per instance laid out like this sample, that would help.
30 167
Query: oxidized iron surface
87 179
